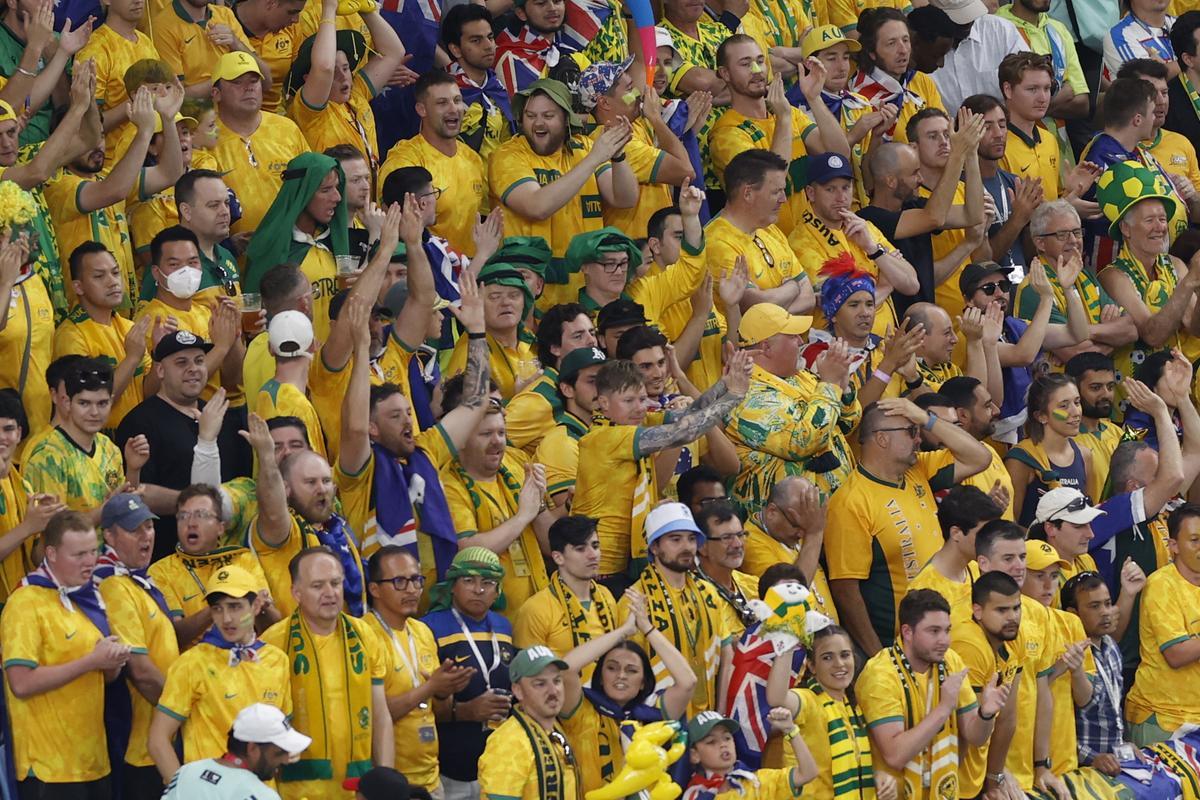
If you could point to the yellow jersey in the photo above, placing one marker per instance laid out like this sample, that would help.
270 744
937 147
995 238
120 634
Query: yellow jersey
615 487
113 55
1168 617
1176 154
514 163
769 258
529 414
277 399
73 226
146 628
554 617
253 167
921 85
886 533
479 506
982 661
1102 442
83 480
320 267
183 578
39 631
410 656
958 595
504 362
352 122
205 694
558 452
735 133
184 44
82 335
275 559
1068 630
461 178
644 158
14 496
1033 156
26 345
1038 657
764 550
509 768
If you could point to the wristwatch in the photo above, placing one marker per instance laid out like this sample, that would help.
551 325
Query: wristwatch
878 253
997 778
1042 762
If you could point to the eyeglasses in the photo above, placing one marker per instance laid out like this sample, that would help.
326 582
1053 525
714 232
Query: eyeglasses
1073 507
184 516
561 741
613 267
708 501
911 430
766 254
435 193
1063 235
480 584
990 287
402 582
729 538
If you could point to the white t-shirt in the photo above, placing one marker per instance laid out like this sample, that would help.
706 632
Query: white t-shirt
210 779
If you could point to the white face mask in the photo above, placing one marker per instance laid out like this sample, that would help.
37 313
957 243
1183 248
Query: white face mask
183 282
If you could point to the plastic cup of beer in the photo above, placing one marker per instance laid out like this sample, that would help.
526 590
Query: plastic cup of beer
251 306
347 266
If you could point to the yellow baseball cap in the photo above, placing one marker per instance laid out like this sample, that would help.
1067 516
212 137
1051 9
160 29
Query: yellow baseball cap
232 66
1041 555
825 36
764 320
6 112
232 581
178 118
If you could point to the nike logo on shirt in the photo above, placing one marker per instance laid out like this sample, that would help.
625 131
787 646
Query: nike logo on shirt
71 635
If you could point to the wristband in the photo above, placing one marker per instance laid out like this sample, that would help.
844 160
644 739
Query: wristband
24 71
1042 762
929 423
476 335
879 374
792 734
878 253
910 385
617 159
979 710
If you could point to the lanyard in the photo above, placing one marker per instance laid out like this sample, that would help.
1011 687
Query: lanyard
415 661
487 671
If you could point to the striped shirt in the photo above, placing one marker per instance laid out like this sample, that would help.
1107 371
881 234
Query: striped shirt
1132 38
1098 725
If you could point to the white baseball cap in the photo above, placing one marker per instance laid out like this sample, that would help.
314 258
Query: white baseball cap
265 724
962 12
1066 505
289 334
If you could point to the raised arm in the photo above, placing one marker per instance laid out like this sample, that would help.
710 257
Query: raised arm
676 166
619 187
355 447
319 81
461 422
61 144
95 195
1168 478
539 203
830 136
274 520
713 406
335 352
970 455
413 319
170 164
934 216
1026 350
389 50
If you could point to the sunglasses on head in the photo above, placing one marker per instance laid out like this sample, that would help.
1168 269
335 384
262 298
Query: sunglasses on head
1073 507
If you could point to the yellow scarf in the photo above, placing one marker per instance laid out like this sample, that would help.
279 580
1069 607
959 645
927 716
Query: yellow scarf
933 773
576 615
308 695
690 627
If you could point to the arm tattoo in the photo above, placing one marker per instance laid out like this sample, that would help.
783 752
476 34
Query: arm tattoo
691 426
475 379
714 393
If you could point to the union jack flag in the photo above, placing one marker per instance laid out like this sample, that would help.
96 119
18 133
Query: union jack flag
746 702
523 57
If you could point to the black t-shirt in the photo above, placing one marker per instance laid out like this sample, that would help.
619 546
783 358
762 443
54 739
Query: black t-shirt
172 436
917 250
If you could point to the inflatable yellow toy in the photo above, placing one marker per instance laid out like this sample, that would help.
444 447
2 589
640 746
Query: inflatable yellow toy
646 762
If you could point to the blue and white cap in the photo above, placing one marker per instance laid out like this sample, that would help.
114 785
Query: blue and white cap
670 518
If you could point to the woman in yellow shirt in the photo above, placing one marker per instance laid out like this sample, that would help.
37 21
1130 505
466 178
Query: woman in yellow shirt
613 705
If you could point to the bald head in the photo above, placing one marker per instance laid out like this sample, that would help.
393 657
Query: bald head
940 336
786 492
887 159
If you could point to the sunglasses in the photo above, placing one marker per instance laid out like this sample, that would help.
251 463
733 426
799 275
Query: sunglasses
1073 507
991 287
911 430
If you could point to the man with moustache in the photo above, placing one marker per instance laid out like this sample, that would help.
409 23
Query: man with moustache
721 559
551 182
456 170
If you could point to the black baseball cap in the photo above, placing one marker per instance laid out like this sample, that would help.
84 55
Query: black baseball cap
974 273
621 311
385 783
173 343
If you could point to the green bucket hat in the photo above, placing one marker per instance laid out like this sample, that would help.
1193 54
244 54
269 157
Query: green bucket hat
477 561
352 43
555 90
526 252
504 273
1124 185
590 247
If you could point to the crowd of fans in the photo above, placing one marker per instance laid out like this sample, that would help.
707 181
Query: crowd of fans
419 400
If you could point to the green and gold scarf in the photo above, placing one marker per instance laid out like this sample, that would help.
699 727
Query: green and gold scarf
689 627
577 616
934 771
553 770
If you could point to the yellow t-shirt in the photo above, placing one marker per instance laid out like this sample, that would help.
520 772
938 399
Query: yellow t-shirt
19 563
1176 154
254 167
480 506
352 122
947 294
38 631
503 361
204 693
644 158
614 486
1037 636
1032 157
958 595
820 731
543 619
514 163
73 227
921 85
529 414
1102 442
971 644
508 768
1168 616
258 366
887 532
763 551
277 399
113 54
559 454
320 268
415 732
139 622
880 691
183 578
29 329
814 243
984 481
275 559
184 44
326 390
735 133
1068 630
335 703
461 177
667 289
769 258
80 334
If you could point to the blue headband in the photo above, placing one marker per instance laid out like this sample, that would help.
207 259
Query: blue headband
836 290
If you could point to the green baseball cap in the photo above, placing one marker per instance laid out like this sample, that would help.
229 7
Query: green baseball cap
578 360
705 722
531 661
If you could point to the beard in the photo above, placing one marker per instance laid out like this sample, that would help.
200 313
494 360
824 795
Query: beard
1102 410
